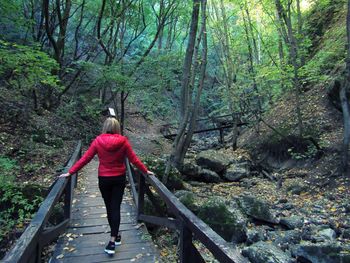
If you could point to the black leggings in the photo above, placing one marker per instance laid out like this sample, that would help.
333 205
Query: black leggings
112 190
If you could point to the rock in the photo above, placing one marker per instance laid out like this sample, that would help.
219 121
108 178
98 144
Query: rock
347 207
213 160
255 235
327 252
327 234
188 199
292 222
231 226
288 206
283 201
297 188
284 239
209 176
346 233
257 209
191 170
197 173
264 252
237 171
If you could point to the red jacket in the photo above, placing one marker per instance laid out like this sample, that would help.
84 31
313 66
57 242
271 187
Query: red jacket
111 150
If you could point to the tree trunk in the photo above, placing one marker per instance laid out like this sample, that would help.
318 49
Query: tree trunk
344 89
192 123
185 97
186 75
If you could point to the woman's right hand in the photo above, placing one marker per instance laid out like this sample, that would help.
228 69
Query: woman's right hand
64 175
150 173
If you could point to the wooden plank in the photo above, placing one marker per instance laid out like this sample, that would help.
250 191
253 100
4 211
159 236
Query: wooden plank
84 215
103 257
96 239
99 221
99 229
81 250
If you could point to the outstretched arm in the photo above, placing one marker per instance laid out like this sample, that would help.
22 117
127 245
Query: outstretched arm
85 159
134 159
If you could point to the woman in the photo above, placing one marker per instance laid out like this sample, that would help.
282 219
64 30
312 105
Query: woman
112 149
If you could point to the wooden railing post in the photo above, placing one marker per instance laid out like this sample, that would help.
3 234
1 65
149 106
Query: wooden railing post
141 195
76 174
68 196
185 244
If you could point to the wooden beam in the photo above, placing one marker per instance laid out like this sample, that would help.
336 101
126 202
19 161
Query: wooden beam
221 249
160 221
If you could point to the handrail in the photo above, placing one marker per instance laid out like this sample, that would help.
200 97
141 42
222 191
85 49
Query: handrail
29 246
187 223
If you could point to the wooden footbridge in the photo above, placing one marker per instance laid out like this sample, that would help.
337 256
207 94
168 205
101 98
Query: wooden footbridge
82 233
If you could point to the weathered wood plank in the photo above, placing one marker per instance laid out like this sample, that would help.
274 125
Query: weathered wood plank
103 257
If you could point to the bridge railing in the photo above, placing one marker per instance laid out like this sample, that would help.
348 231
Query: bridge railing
182 219
37 235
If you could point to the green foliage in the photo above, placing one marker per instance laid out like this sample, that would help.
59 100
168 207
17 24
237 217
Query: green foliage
42 136
17 205
12 22
157 84
8 168
310 152
26 68
326 28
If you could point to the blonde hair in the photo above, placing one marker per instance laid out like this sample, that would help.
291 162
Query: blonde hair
111 125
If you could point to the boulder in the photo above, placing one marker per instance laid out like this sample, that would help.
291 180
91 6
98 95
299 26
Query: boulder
189 168
209 176
256 209
237 171
285 239
213 160
292 222
188 199
230 225
325 252
266 252
346 233
327 234
256 234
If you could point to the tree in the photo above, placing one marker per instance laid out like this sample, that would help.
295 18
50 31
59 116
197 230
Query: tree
189 108
286 26
344 90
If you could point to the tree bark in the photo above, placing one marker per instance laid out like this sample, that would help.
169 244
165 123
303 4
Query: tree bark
344 89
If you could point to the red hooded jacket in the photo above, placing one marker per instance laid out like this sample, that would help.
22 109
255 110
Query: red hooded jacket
111 150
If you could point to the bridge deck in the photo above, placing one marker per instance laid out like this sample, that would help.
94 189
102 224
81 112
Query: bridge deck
88 234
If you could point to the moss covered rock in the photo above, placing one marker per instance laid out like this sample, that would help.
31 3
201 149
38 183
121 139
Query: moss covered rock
213 160
256 209
267 253
229 225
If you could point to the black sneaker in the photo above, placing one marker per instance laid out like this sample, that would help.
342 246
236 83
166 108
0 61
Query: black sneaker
110 248
118 240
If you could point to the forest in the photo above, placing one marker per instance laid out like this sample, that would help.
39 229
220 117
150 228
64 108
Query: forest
240 107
